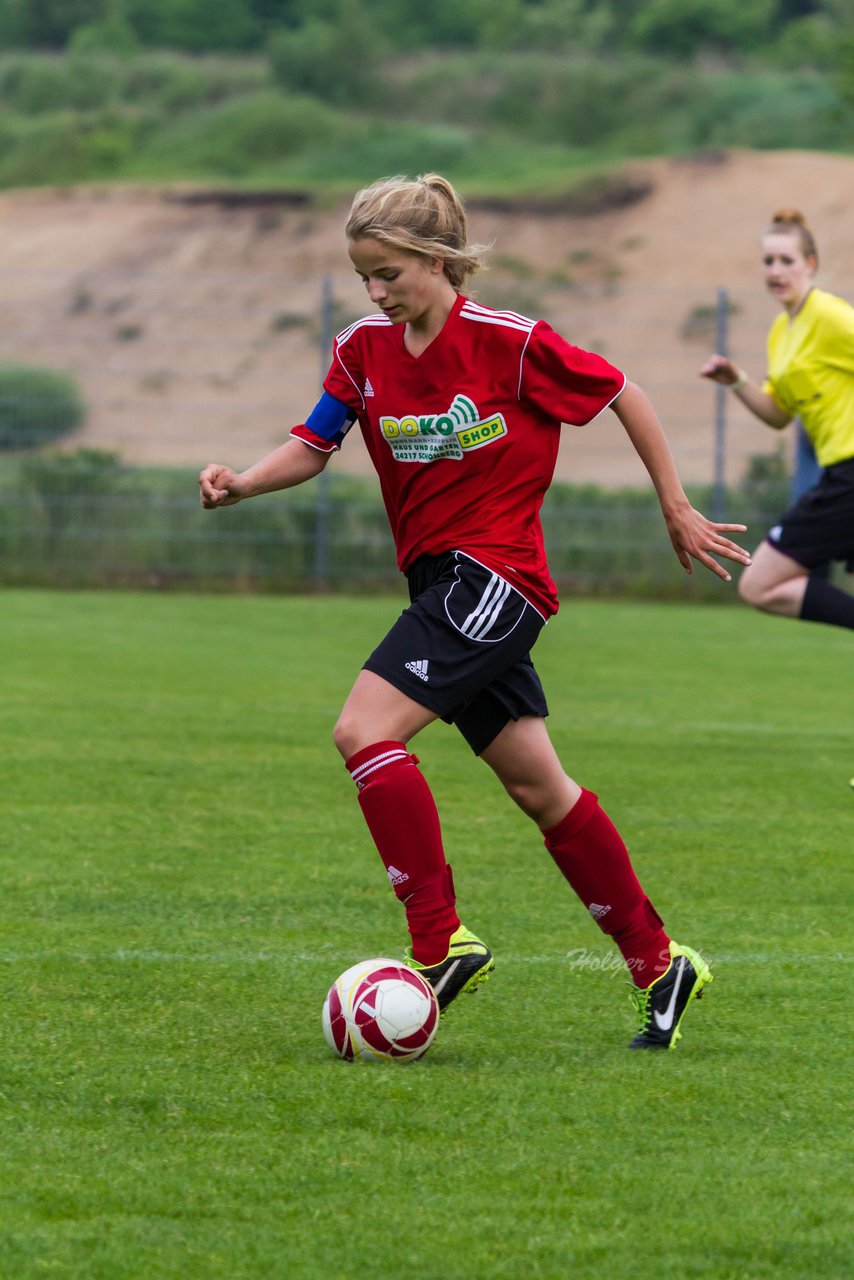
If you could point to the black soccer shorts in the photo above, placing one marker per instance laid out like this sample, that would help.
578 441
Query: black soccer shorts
820 525
462 647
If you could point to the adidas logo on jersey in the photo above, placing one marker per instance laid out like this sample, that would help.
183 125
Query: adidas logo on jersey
418 667
397 877
369 391
597 911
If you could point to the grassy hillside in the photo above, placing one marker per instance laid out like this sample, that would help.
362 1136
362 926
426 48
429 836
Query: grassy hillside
518 122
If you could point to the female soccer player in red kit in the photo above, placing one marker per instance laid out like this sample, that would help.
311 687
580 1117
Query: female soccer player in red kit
460 407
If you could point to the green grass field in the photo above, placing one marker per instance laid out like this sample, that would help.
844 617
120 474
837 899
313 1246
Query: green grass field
185 870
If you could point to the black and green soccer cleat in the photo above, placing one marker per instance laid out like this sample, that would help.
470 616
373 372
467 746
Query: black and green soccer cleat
662 1005
468 963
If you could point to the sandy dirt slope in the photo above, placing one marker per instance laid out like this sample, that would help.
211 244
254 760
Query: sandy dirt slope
194 327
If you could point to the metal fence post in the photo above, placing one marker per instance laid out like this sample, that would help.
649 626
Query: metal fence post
322 507
719 494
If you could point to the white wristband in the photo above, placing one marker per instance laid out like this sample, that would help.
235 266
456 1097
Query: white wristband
739 382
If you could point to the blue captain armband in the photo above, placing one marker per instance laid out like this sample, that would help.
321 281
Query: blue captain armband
330 419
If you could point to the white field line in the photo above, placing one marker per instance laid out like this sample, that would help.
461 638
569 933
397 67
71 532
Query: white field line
579 958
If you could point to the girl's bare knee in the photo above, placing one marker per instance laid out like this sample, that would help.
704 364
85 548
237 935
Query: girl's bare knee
345 735
529 798
745 588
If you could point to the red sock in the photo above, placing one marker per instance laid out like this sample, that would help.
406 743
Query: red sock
401 816
590 853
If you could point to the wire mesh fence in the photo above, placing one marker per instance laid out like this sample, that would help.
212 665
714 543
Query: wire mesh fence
117 386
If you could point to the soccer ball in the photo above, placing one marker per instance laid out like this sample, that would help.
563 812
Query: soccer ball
380 1010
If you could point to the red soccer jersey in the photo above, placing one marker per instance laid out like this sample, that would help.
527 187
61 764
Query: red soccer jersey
464 437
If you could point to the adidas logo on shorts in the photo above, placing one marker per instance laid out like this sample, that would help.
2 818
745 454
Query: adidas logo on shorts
418 667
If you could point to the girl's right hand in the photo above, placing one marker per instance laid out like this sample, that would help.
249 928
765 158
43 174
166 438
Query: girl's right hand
219 486
720 369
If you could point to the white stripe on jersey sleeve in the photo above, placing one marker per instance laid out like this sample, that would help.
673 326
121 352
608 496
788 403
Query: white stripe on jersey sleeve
508 319
346 334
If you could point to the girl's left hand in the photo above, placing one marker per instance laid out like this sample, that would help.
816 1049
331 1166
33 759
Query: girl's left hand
696 538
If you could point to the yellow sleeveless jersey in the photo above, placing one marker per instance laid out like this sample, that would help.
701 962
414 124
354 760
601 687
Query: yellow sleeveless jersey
811 372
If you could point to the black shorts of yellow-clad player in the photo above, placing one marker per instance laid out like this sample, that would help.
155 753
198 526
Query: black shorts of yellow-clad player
462 647
820 525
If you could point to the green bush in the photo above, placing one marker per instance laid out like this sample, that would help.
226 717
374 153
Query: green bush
91 78
770 110
45 24
39 84
172 82
196 26
236 136
114 34
844 79
336 61
682 28
37 405
67 147
374 150
809 42
568 25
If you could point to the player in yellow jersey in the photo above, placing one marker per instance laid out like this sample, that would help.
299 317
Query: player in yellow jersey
811 377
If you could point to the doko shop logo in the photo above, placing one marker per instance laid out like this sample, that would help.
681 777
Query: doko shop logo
430 437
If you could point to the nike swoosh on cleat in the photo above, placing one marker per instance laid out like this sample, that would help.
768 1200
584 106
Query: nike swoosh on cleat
664 1021
443 981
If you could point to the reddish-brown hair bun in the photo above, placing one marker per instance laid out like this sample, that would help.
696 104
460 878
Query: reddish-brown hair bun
792 221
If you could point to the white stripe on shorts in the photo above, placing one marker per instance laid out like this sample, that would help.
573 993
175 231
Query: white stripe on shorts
482 619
